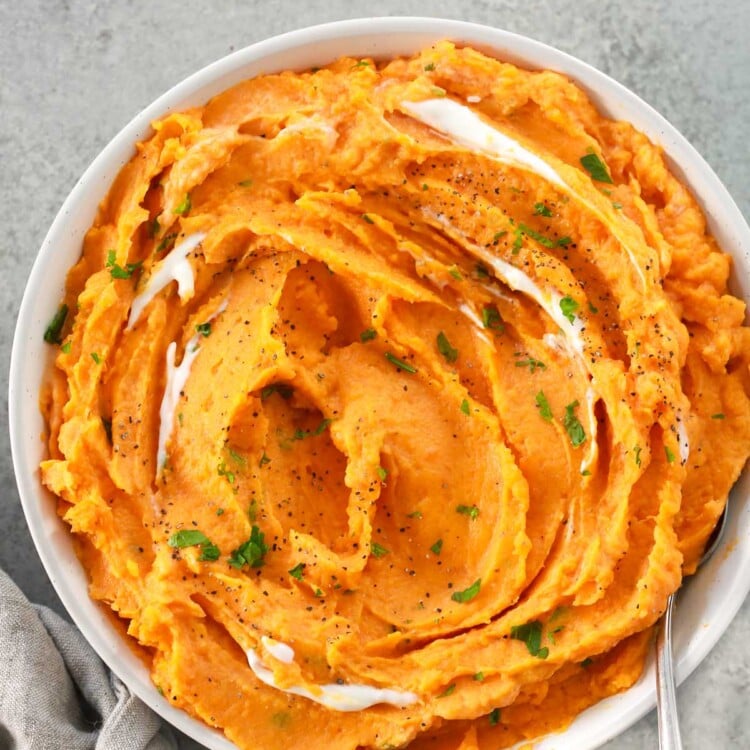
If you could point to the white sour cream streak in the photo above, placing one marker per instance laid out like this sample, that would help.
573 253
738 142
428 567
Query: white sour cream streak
176 379
175 267
334 696
468 129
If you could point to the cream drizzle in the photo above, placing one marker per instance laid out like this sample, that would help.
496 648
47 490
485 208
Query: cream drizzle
465 127
683 440
175 267
176 378
468 129
337 697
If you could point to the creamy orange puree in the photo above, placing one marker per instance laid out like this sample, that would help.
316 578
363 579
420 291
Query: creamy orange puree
446 412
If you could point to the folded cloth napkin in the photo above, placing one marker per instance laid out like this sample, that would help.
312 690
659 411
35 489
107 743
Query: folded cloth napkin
56 694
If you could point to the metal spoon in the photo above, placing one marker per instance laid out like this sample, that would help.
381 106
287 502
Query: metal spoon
666 690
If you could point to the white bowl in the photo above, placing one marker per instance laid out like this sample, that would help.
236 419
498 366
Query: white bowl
708 602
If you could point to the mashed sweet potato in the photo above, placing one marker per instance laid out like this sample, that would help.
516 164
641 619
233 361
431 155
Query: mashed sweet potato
445 401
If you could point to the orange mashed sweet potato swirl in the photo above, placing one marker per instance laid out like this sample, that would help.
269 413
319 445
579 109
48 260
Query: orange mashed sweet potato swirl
433 421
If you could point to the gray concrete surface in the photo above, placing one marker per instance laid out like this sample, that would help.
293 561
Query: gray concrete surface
73 72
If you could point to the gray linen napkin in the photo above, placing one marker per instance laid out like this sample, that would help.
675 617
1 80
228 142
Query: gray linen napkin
56 694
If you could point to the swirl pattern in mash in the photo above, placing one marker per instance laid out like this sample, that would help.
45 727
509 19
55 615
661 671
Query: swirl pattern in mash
447 398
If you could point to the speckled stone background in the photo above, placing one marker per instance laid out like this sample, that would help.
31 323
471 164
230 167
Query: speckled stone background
73 72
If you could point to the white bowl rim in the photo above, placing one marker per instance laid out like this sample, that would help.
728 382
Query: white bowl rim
358 36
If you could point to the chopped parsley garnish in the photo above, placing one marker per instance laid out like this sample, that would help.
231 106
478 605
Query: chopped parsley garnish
494 717
154 227
220 511
573 426
226 473
468 510
318 593
209 553
481 271
185 205
532 364
517 242
66 347
284 390
96 358
245 183
319 430
569 306
719 415
166 242
429 67
465 407
637 451
252 511
204 329
563 241
252 552
585 473
540 238
405 366
415 514
448 691
378 550
531 635
367 335
236 457
669 454
360 64
444 347
438 91
264 459
541 210
118 272
437 547
297 571
367 219
595 167
479 676
194 538
467 594
617 205
491 319
498 236
382 473
425 186
593 310
52 332
545 412
455 273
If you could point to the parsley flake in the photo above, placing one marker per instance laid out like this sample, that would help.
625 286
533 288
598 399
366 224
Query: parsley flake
491 319
185 205
465 407
444 347
382 473
52 332
455 273
429 67
297 571
415 514
481 271
596 168
545 412
378 550
204 329
118 272
468 510
494 717
194 538
405 366
467 594
284 390
637 451
252 552
478 676
569 306
573 426
448 691
367 219
97 359
66 347
719 415
367 335
437 547
166 242
669 454
531 635
541 210
532 364
245 183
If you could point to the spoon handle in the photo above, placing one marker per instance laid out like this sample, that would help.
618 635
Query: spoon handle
666 700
